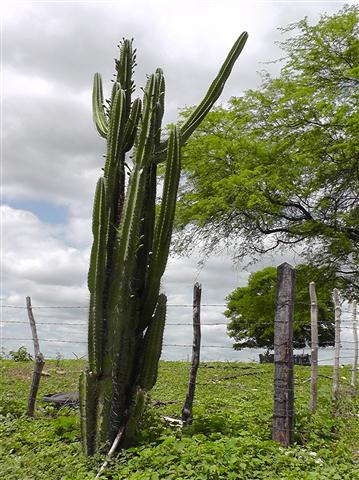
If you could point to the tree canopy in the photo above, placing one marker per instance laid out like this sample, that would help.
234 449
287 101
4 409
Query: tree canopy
278 167
251 309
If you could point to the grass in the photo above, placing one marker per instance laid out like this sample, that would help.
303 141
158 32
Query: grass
230 437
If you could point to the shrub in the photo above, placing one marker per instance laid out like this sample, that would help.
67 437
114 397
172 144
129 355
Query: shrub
21 355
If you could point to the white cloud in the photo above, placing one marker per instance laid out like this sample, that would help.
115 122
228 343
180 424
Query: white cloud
52 152
37 263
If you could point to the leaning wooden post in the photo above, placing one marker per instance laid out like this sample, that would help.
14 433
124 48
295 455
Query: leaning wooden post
355 359
187 407
283 410
338 311
314 347
39 362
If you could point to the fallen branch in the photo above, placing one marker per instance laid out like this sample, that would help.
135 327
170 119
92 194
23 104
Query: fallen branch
112 450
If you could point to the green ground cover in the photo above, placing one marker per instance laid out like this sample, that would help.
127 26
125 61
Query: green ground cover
230 437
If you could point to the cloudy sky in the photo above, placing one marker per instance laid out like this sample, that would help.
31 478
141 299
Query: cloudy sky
52 155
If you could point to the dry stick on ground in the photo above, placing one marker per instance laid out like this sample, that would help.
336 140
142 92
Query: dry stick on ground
39 362
112 450
355 359
314 347
338 311
283 409
187 407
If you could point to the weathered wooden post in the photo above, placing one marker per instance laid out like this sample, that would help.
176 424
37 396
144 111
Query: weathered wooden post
283 410
187 407
314 347
338 312
39 361
355 359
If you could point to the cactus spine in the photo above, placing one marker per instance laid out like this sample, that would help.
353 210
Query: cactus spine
130 247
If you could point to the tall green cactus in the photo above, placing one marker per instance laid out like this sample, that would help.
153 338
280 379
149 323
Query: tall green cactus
130 247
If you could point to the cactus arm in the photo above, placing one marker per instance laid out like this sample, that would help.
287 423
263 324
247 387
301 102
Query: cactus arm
125 66
168 205
147 231
87 387
160 106
153 345
114 142
214 90
163 230
132 124
96 278
135 416
210 98
145 142
99 116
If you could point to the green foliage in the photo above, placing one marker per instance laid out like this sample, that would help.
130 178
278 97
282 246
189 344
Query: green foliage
150 428
20 355
230 439
251 309
130 247
66 427
278 167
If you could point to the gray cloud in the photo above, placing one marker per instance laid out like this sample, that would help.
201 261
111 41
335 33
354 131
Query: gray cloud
53 154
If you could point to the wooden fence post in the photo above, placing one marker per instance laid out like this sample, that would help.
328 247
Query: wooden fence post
283 410
338 311
355 359
314 347
39 361
187 407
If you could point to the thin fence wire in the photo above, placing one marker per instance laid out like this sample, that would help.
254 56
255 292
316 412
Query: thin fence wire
52 340
86 306
185 305
81 323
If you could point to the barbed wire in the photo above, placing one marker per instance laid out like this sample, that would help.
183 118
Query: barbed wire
86 306
60 323
185 305
52 340
176 305
85 342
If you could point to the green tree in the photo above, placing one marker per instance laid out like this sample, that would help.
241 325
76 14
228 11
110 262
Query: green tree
278 167
251 309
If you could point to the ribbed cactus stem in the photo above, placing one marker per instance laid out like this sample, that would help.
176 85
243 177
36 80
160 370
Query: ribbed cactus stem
164 226
135 416
130 248
152 345
88 406
99 115
96 279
